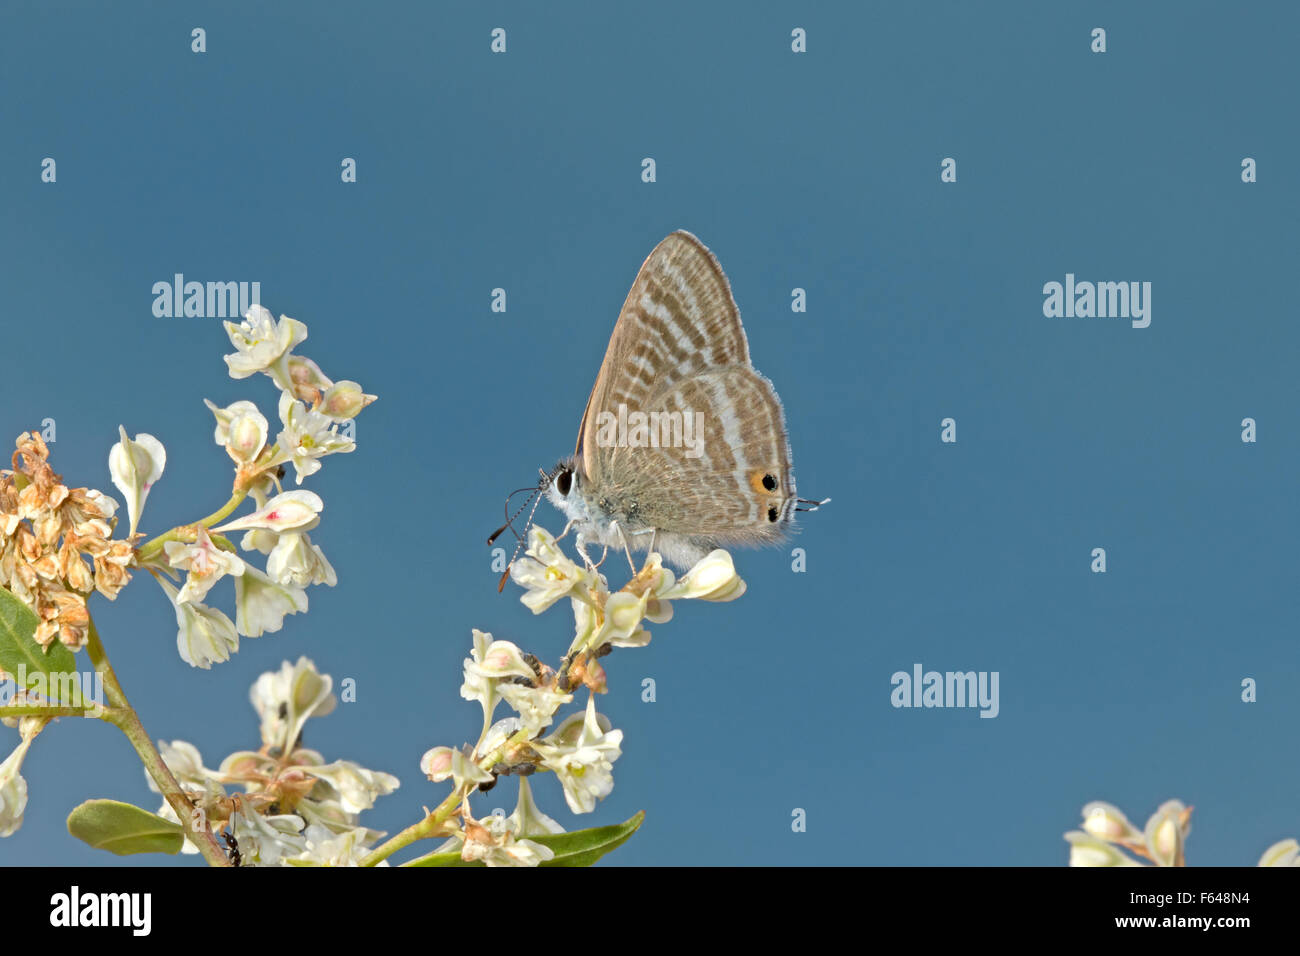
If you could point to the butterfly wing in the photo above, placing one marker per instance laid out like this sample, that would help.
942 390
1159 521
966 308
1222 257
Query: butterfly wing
735 486
679 319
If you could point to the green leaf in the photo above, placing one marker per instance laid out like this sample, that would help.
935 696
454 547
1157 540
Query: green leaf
579 848
18 648
124 829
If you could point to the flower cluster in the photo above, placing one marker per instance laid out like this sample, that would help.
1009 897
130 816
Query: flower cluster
295 808
1106 830
582 748
56 544
312 408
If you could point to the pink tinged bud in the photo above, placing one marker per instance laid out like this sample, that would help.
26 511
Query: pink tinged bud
303 371
503 659
307 378
344 400
284 512
247 437
436 763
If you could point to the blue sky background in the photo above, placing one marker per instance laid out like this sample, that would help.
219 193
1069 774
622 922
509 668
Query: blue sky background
818 170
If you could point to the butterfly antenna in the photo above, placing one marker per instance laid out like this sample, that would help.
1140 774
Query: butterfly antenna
534 498
510 518
809 501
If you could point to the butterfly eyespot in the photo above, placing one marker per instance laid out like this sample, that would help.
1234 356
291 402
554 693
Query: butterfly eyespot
763 482
772 513
563 482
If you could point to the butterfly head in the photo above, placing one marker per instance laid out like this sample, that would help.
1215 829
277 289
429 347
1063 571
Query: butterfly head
563 487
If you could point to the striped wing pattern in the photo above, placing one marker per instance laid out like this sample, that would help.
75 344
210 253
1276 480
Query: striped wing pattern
679 347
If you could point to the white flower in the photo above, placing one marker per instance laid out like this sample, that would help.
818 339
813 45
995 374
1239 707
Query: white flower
287 698
263 345
295 560
714 578
266 841
547 575
501 659
135 466
1087 850
528 819
344 400
1282 853
225 416
477 685
241 430
13 789
292 510
325 848
307 437
261 604
1166 831
203 633
581 752
536 705
622 626
492 841
356 786
1108 822
205 562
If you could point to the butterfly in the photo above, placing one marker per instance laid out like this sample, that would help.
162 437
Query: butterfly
683 446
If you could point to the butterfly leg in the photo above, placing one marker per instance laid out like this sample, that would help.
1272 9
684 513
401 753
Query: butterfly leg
580 545
626 549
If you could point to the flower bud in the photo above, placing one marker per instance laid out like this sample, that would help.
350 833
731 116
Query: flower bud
436 763
307 378
344 400
1165 833
1282 853
135 466
284 512
503 659
1107 822
713 579
247 437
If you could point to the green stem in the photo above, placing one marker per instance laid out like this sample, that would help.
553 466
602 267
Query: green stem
37 710
431 825
428 827
123 716
152 547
